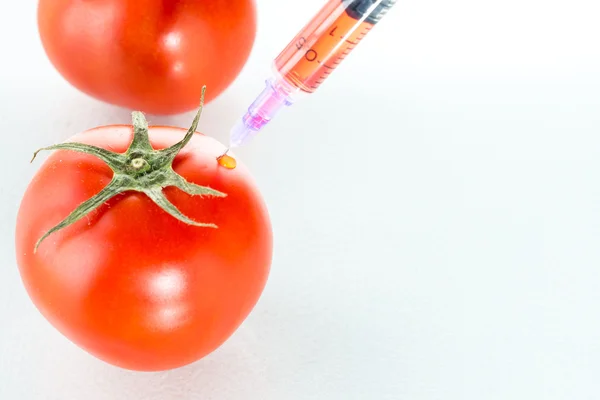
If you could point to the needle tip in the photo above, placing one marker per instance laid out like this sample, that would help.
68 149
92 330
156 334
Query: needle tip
223 155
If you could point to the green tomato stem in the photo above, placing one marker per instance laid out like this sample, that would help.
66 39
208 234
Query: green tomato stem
141 169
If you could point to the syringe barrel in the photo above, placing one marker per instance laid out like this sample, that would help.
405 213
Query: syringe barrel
310 58
327 39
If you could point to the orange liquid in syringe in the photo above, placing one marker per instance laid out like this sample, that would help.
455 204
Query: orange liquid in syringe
320 47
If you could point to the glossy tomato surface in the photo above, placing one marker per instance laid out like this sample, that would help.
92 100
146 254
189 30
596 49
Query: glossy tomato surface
129 283
150 55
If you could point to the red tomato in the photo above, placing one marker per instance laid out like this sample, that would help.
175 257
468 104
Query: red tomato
151 55
130 283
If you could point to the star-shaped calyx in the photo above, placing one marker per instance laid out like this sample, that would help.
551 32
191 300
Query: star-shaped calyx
140 169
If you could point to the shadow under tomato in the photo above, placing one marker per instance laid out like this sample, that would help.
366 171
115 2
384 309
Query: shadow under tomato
229 372
45 365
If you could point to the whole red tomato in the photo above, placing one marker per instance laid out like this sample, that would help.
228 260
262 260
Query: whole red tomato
151 55
131 283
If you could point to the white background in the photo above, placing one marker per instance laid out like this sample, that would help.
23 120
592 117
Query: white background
435 205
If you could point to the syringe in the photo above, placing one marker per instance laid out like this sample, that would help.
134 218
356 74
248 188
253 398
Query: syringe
310 58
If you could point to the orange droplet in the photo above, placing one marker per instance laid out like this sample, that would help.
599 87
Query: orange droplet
227 161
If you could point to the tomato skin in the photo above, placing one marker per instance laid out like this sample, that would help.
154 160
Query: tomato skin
151 55
130 284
